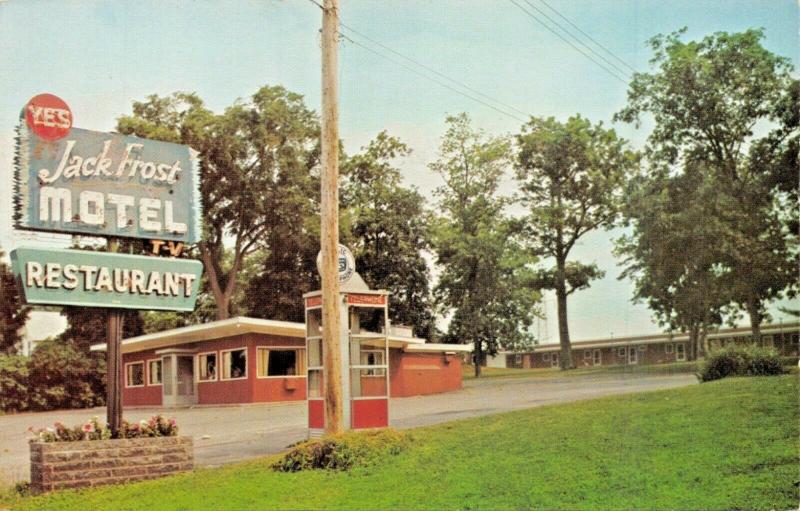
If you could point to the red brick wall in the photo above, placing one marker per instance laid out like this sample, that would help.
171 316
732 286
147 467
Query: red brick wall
275 388
414 374
227 391
149 395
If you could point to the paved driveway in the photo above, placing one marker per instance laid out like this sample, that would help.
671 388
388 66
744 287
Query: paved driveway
228 433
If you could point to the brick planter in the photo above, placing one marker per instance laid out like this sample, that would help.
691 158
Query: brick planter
57 465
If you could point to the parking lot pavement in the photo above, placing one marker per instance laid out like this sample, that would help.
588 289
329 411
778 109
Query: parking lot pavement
223 434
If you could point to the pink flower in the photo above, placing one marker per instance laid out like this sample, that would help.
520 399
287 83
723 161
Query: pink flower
88 427
30 429
172 422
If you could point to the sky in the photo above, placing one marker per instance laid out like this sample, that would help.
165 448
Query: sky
101 56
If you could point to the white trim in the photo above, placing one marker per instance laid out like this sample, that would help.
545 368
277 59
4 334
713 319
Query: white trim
216 370
222 368
622 351
147 366
678 357
669 348
597 351
144 376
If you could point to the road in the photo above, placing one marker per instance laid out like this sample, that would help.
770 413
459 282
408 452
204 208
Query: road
223 434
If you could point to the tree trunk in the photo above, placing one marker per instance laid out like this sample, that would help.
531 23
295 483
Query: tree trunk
565 359
754 311
704 340
693 335
478 357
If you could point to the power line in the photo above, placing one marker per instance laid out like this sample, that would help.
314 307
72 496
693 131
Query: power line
609 71
556 23
434 71
588 36
474 92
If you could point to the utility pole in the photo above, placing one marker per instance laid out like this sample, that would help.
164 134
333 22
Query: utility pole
329 241
113 362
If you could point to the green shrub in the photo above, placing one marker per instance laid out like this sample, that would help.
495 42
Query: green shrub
13 383
343 452
60 377
740 361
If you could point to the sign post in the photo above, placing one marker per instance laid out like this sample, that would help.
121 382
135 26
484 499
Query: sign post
77 181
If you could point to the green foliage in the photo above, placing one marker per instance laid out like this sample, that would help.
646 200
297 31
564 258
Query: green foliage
59 376
484 268
256 161
13 383
709 98
13 312
344 451
389 231
730 444
571 176
741 361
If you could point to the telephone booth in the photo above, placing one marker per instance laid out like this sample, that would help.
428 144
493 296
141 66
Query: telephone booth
364 348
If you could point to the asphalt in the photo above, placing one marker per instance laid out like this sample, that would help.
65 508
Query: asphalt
224 434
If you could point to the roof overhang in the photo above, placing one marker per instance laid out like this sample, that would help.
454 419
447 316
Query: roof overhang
438 348
209 331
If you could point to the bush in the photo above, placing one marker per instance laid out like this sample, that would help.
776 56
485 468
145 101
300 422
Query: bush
13 383
343 452
60 377
157 426
740 361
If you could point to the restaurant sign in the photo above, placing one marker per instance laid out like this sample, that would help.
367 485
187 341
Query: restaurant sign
73 180
102 279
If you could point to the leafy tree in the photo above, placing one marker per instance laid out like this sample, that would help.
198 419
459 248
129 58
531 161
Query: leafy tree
389 232
13 312
60 376
484 270
14 389
708 99
672 252
252 156
571 177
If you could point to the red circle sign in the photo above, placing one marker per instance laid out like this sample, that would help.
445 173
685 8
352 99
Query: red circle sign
48 116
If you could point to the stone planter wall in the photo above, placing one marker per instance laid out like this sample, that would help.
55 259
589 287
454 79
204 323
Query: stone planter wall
58 465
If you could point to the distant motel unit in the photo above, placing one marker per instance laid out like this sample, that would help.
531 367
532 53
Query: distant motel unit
648 349
247 360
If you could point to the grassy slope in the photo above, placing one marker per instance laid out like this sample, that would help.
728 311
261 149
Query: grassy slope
721 445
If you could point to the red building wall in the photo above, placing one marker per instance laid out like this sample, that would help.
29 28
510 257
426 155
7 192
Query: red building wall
148 395
415 374
270 389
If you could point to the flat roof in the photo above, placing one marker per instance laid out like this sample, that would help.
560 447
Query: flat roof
229 327
659 338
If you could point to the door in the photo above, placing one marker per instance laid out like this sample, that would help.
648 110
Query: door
184 381
597 358
632 355
680 352
554 360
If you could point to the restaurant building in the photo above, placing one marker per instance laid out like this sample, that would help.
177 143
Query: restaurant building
248 360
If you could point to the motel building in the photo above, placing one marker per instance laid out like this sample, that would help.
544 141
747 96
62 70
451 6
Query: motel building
647 349
248 360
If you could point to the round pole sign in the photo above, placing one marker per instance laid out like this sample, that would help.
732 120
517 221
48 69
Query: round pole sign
48 116
346 263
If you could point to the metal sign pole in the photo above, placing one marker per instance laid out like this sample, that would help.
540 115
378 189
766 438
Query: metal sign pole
330 221
114 362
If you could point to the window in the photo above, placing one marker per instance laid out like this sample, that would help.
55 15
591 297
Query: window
668 348
587 354
768 341
621 352
207 366
598 358
154 372
642 347
234 364
375 358
278 362
546 357
517 359
680 352
134 374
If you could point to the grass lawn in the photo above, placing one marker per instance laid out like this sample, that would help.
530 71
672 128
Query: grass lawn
730 444
468 372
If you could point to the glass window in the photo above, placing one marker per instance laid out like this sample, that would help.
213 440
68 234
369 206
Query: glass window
642 347
207 366
278 362
134 374
154 372
234 364
546 357
621 352
587 354
668 348
376 358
